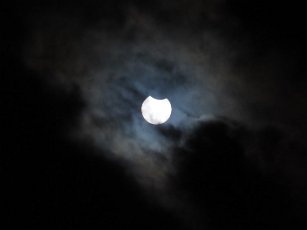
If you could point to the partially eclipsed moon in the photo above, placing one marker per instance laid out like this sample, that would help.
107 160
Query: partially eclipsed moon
156 111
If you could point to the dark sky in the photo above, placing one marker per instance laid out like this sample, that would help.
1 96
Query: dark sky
76 152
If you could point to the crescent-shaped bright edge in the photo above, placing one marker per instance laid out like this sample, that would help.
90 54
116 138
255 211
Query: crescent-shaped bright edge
156 111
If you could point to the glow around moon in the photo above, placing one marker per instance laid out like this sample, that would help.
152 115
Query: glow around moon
156 111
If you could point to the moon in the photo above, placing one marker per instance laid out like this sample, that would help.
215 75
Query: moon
156 111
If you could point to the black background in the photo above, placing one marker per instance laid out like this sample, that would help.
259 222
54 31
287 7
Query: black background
48 181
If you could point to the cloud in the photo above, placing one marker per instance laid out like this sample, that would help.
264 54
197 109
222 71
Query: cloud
206 72
230 188
116 68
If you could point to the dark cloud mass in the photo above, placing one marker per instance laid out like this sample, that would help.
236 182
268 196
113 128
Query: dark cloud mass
80 155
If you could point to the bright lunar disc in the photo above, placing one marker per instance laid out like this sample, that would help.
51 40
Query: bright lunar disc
156 111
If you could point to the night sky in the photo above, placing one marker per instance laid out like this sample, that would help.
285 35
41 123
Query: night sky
76 152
